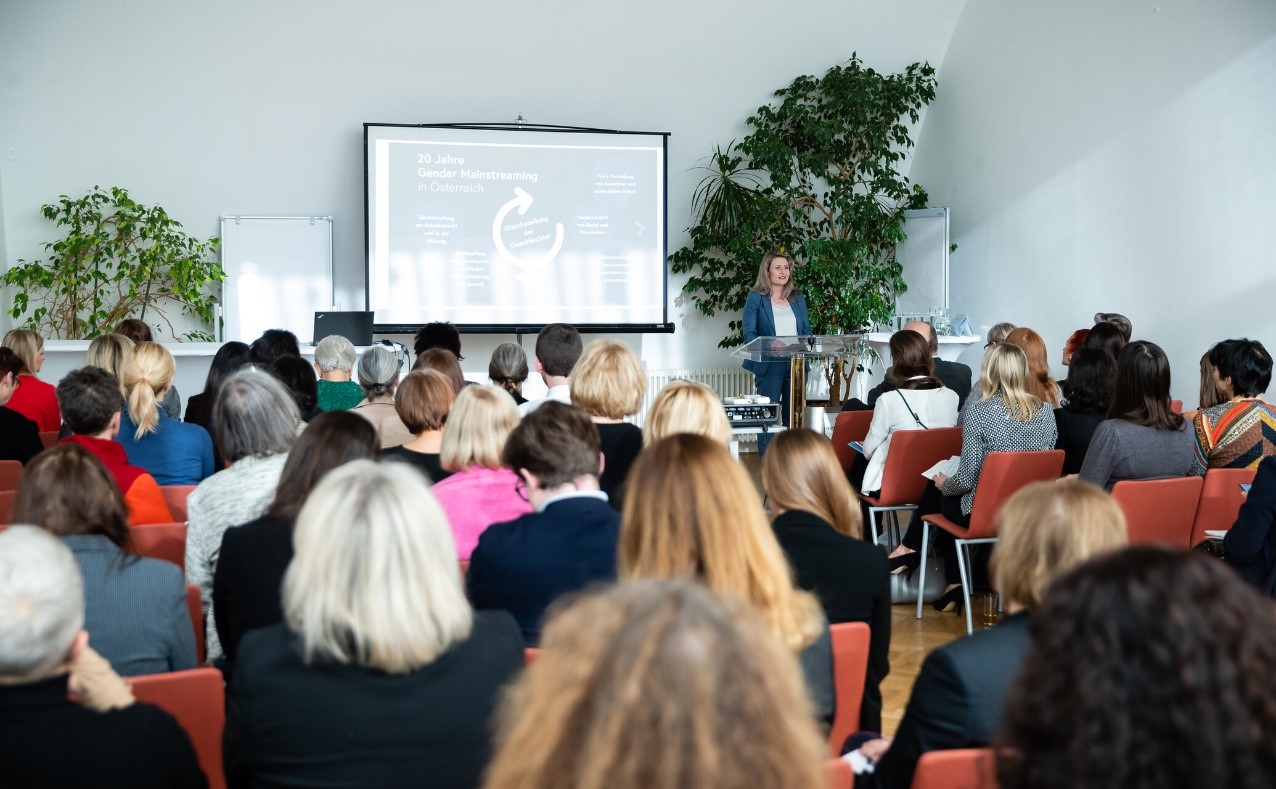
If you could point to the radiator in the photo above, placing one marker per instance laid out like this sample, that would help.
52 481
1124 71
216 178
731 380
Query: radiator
727 382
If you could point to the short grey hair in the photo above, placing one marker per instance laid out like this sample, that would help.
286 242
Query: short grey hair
374 580
334 352
41 602
378 369
254 416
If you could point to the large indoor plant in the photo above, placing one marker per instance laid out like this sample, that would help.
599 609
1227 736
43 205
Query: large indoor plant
118 259
817 177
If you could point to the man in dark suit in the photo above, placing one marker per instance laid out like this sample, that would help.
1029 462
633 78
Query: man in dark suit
568 541
107 739
955 375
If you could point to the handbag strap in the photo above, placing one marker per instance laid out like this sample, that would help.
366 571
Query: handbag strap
911 412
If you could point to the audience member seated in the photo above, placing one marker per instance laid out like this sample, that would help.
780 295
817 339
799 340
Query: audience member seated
228 360
254 556
480 488
175 453
445 362
1149 668
103 738
1040 384
255 421
1251 542
917 401
273 344
1118 320
610 383
135 607
380 674
686 407
34 399
298 376
111 352
1087 395
558 347
423 402
1005 418
1074 343
1142 439
957 700
692 512
438 334
819 527
136 331
1238 432
953 375
19 436
90 401
998 334
1210 395
569 539
658 684
334 359
508 369
379 378
1107 337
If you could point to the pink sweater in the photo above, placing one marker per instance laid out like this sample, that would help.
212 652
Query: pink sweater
475 499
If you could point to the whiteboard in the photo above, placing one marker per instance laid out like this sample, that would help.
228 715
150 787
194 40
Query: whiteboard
278 274
924 256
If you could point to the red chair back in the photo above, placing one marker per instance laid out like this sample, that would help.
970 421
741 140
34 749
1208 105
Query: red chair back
165 541
6 506
195 607
465 568
849 426
10 474
1159 510
839 774
1003 474
1221 500
175 497
197 698
48 438
850 642
911 453
529 655
964 768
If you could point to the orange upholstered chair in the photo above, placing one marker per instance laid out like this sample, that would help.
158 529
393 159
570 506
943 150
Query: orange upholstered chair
197 698
850 669
529 655
10 474
465 568
1159 510
175 497
964 768
1221 500
165 541
195 607
849 426
1002 474
839 774
48 438
6 506
911 453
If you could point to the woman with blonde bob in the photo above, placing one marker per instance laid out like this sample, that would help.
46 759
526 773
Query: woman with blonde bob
687 407
609 383
110 352
377 631
174 452
1046 529
692 511
614 663
818 524
480 490
1007 417
35 399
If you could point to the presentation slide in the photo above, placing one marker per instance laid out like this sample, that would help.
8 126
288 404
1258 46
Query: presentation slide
515 227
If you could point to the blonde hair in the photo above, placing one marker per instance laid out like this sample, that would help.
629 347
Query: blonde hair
691 510
608 380
1004 374
148 372
110 352
374 581
641 686
26 345
1045 529
686 407
477 427
763 285
801 472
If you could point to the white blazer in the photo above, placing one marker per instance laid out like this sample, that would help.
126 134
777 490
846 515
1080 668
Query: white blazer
934 407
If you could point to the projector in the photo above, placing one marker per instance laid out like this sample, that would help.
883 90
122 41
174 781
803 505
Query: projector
751 411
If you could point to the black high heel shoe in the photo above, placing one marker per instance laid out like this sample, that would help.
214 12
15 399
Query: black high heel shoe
907 561
950 600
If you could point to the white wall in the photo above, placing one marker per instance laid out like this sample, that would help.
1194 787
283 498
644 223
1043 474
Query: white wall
1111 156
245 107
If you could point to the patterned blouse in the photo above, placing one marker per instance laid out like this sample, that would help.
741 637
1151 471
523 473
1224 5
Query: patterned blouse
987 427
1234 435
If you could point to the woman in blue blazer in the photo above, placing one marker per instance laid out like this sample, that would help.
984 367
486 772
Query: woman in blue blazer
774 309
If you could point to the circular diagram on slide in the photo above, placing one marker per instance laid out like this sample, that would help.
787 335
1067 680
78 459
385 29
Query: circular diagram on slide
520 239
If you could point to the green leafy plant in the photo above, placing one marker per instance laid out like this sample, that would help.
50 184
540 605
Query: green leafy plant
817 177
118 259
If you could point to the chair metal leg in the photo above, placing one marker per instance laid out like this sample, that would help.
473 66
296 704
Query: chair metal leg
872 523
963 559
921 582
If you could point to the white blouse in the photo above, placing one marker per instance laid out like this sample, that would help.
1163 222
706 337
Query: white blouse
934 407
785 320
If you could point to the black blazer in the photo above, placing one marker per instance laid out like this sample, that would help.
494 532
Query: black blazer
956 376
19 437
523 565
957 700
250 570
341 725
851 579
47 740
1075 431
621 442
1251 542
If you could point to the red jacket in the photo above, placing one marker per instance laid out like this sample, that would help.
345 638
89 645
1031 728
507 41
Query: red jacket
142 493
37 401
